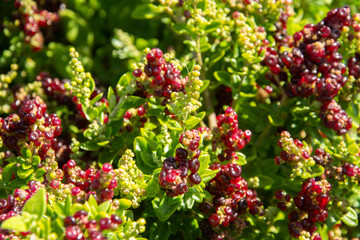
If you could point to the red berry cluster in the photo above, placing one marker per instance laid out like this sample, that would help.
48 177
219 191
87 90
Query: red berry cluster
354 66
54 88
9 207
230 137
294 150
314 63
174 175
205 133
33 19
334 117
79 225
31 126
231 199
132 113
310 207
321 157
159 77
99 183
12 205
281 36
351 170
337 172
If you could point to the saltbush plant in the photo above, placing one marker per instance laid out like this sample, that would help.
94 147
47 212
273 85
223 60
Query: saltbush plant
179 119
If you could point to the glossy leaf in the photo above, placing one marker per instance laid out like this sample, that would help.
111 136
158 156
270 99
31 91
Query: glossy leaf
350 218
165 206
36 205
15 223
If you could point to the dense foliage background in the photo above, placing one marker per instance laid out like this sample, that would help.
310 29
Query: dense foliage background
182 119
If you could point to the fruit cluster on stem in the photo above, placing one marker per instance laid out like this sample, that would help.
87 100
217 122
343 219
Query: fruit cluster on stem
174 175
307 208
228 136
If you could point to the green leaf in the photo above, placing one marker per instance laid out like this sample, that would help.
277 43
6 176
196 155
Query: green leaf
192 121
212 26
242 161
76 28
152 188
353 149
59 209
160 231
171 124
276 120
205 47
103 143
107 157
92 113
92 202
208 174
15 223
36 204
317 170
92 206
223 77
45 227
350 218
104 207
164 207
216 57
111 98
68 205
146 11
204 160
26 153
90 146
142 149
111 236
191 44
205 85
180 27
133 102
124 80
196 193
8 172
96 98
24 173
300 111
39 174
124 204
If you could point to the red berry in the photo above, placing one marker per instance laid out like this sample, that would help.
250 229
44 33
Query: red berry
214 219
105 223
54 184
137 73
194 165
112 184
194 145
116 219
75 191
107 194
71 163
107 167
73 233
